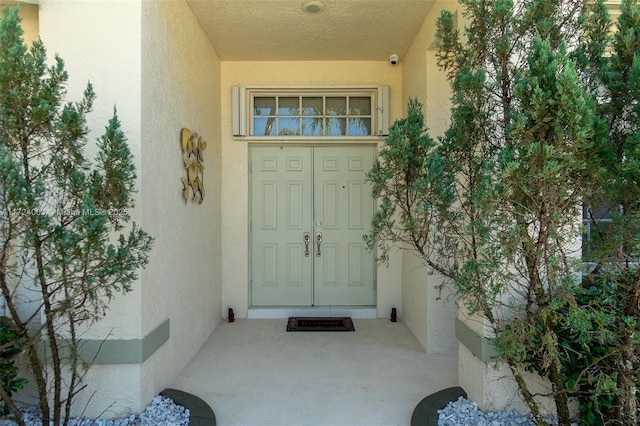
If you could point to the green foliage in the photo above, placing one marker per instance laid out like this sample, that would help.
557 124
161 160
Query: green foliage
410 180
11 346
590 339
544 120
610 369
67 241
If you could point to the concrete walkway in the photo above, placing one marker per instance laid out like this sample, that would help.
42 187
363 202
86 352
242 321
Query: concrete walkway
252 373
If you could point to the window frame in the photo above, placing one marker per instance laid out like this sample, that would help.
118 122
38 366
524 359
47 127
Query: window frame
603 216
243 110
602 211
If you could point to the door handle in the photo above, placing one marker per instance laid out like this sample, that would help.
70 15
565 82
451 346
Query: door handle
318 241
307 237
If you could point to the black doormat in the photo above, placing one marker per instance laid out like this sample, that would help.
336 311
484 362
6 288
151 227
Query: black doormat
320 324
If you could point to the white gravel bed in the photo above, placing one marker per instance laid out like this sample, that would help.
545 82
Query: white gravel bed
164 412
161 412
466 413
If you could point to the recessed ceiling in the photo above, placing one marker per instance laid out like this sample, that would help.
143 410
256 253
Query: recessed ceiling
281 30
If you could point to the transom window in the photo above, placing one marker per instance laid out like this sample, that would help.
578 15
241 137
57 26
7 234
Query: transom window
312 115
265 112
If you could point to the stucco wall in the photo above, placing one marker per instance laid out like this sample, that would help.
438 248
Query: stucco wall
235 162
493 387
162 73
414 286
180 88
89 37
430 320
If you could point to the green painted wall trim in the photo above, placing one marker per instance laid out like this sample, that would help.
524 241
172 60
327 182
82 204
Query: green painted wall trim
480 346
121 351
152 341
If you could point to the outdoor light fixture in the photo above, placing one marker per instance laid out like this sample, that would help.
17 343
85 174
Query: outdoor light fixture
313 6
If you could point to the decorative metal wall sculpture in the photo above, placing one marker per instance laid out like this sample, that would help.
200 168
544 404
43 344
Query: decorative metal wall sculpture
192 156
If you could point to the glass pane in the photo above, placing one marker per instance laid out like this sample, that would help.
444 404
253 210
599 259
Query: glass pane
359 126
336 126
312 126
336 106
602 210
360 106
595 239
288 126
264 127
264 106
288 106
313 114
312 106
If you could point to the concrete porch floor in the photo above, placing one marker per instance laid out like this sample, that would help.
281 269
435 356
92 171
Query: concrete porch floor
254 373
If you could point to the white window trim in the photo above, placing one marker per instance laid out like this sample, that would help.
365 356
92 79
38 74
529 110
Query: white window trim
241 105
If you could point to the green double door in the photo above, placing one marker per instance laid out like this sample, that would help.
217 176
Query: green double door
310 207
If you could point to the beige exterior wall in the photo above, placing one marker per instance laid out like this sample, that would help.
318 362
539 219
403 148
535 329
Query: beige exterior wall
430 320
493 387
180 88
159 84
90 51
235 186
88 36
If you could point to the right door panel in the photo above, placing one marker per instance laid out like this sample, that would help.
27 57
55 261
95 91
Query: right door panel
343 208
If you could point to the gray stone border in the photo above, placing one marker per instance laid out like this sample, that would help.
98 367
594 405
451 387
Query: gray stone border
200 414
426 412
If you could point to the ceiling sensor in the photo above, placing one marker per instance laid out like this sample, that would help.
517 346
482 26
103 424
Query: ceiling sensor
313 6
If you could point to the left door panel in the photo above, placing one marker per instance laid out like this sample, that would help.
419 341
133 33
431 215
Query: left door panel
281 210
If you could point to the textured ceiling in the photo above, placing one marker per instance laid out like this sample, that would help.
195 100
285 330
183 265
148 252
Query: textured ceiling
280 30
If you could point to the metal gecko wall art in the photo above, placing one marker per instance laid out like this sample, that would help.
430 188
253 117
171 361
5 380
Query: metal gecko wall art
192 155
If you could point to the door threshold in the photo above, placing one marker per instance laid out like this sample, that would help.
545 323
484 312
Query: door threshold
276 312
